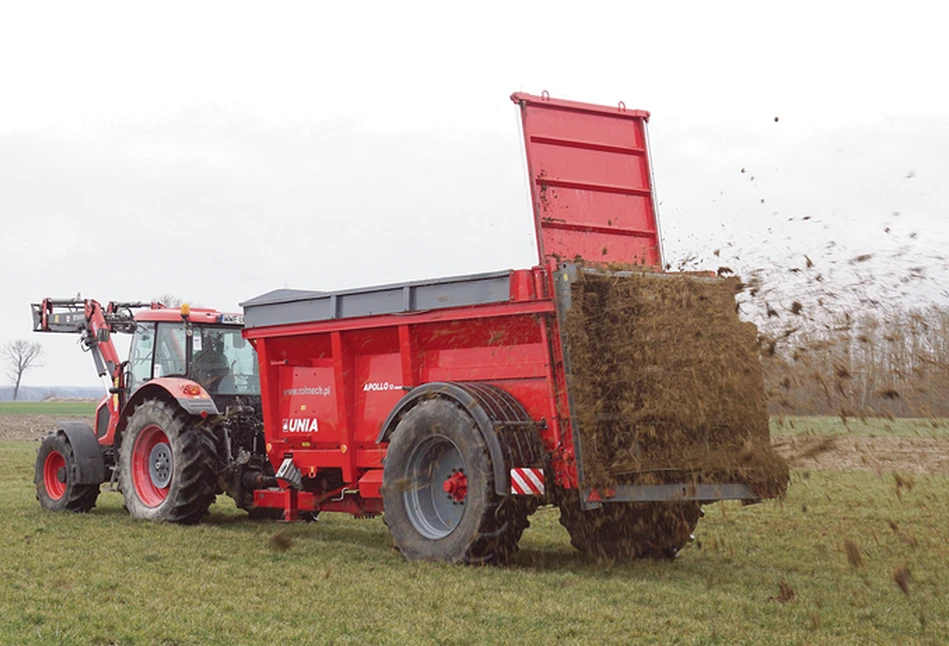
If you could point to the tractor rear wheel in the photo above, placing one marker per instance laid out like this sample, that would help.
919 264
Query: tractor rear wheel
55 477
627 530
438 493
166 465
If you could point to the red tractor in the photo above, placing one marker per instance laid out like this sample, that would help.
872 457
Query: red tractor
151 435
448 403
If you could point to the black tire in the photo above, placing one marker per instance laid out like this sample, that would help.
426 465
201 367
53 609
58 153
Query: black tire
628 531
55 477
433 442
166 465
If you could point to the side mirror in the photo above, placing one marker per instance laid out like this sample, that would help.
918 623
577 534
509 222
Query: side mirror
102 335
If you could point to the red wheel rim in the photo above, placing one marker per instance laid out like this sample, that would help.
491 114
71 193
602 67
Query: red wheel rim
53 468
150 446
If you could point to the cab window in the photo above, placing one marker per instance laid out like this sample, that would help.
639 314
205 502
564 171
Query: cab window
170 350
140 358
223 362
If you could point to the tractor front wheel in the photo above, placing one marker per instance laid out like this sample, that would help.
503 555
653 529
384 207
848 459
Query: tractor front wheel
438 493
166 465
626 530
55 477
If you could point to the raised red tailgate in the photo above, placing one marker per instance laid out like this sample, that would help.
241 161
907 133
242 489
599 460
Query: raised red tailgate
591 181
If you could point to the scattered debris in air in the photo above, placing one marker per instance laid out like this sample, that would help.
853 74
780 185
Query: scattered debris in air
279 541
785 593
854 557
902 578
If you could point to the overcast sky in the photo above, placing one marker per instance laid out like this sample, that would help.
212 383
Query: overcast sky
216 151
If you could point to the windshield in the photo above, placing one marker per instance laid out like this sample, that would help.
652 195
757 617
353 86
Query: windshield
223 362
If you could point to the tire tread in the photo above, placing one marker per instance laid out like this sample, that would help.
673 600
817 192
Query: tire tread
195 460
77 498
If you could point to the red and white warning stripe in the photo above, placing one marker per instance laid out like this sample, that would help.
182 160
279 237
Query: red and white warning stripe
527 482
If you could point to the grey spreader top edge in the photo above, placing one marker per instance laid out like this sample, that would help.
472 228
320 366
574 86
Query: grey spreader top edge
289 306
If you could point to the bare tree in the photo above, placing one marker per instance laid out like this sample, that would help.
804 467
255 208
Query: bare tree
168 300
20 356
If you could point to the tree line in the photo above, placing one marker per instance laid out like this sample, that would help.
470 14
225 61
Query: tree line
874 364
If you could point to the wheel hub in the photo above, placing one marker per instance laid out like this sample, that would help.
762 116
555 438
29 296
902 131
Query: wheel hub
159 465
435 501
456 486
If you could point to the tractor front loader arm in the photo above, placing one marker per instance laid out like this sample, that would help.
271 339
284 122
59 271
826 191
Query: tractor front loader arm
93 323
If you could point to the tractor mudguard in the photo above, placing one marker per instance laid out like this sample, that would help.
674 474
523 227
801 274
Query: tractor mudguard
496 413
86 451
179 390
198 406
171 389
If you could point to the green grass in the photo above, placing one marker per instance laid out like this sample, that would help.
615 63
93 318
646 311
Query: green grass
904 427
48 408
103 578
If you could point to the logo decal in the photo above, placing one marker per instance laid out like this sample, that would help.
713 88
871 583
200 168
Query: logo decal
307 390
297 425
379 386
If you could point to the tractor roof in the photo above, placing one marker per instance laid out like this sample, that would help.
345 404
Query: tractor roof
197 315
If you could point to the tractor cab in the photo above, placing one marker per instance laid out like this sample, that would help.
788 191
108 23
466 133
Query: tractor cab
204 346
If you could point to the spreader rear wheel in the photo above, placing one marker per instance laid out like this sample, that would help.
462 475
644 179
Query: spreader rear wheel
440 503
55 477
166 465
626 531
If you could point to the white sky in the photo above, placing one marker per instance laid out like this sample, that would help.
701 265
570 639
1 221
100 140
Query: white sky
219 150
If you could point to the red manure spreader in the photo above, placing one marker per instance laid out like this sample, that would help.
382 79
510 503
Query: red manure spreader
445 405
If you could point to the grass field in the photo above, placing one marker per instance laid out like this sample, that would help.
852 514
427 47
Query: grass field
103 578
48 408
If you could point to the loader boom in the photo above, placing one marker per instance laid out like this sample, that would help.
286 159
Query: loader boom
95 326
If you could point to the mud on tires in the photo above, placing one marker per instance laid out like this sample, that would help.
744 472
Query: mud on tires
166 465
55 477
435 442
627 530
